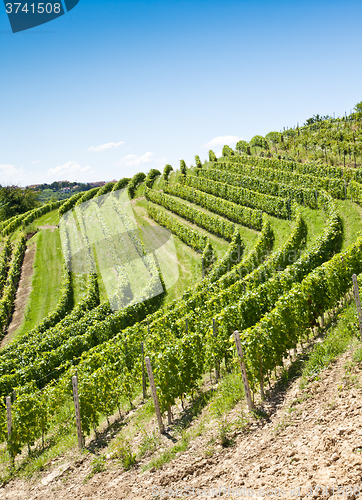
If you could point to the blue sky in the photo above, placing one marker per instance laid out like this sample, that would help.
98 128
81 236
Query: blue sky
113 87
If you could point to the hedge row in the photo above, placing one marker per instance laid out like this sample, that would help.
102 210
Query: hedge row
245 216
270 204
122 183
69 203
309 168
30 216
9 292
25 349
211 222
107 188
134 183
303 196
88 195
335 187
187 234
5 256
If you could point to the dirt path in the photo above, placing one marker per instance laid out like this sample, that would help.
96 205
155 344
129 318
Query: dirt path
313 437
23 292
47 226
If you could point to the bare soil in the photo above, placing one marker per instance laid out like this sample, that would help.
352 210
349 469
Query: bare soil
310 445
22 294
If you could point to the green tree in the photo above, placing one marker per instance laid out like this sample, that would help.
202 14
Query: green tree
198 161
212 156
16 201
258 141
227 151
242 147
183 167
358 109
166 171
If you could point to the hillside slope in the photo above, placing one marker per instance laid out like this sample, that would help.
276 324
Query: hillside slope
313 438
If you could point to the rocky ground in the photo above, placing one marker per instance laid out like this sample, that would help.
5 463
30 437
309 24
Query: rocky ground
310 446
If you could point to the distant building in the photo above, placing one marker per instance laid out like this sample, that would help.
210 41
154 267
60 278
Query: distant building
97 184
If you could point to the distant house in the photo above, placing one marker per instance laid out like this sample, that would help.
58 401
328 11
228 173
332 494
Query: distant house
96 184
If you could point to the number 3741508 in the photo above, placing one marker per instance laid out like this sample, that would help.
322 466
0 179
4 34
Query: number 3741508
33 8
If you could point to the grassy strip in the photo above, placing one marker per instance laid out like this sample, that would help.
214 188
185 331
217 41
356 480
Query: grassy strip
351 214
46 280
337 341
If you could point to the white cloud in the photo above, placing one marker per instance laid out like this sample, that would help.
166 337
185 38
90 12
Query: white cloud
221 140
34 162
69 171
103 147
9 174
131 160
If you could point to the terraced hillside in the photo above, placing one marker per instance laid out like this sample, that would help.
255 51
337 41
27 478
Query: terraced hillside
264 246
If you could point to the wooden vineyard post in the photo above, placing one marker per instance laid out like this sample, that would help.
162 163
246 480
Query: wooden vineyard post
144 393
77 411
8 414
358 303
243 371
154 395
322 320
169 415
214 328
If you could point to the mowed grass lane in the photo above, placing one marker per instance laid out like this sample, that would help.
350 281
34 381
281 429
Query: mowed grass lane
46 280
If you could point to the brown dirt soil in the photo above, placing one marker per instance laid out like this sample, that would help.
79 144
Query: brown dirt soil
22 294
312 437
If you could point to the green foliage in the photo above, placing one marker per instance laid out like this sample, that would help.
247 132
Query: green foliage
30 412
183 168
208 258
107 188
88 195
294 179
149 443
186 233
166 172
237 213
29 217
273 137
303 196
9 290
272 205
16 201
5 256
134 182
273 299
98 465
125 454
227 151
358 109
258 141
151 177
122 183
316 119
211 222
243 147
198 161
212 156
69 203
